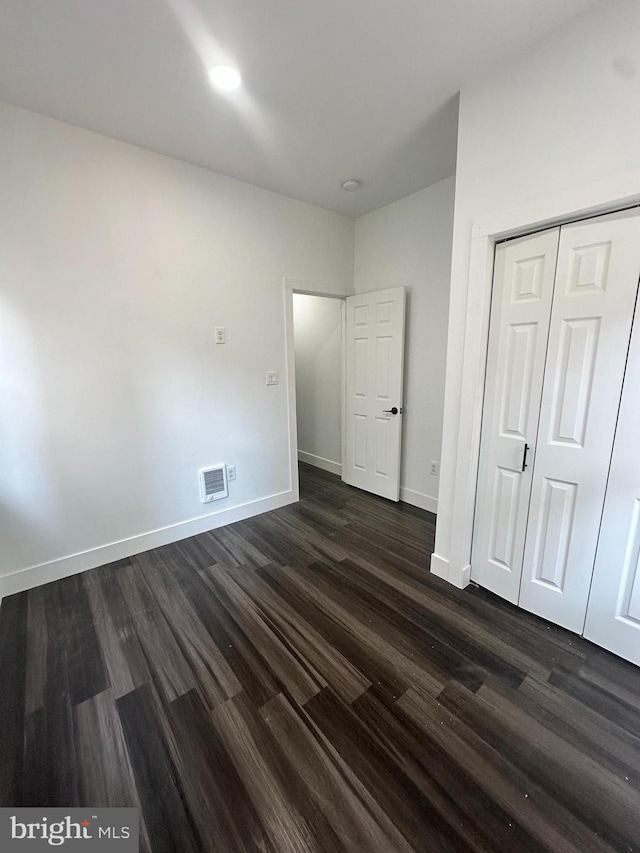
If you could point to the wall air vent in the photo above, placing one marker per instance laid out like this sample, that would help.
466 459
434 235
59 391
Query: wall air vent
213 483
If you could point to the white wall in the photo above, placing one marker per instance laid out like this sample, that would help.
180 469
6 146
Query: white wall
562 116
409 243
115 266
317 328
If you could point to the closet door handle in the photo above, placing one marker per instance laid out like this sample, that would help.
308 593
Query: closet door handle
524 456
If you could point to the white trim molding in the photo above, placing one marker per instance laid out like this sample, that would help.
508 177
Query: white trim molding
452 557
320 462
317 288
419 499
442 569
290 379
440 566
73 564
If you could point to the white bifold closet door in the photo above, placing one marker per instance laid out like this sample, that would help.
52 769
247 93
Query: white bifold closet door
523 279
613 612
536 530
593 304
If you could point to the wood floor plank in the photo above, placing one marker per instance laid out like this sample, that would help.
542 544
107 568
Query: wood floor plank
168 823
292 671
36 663
86 669
279 548
249 666
588 731
600 797
523 815
604 702
13 662
171 672
290 819
50 770
240 551
215 678
303 534
465 636
358 819
333 666
299 682
114 623
214 792
383 756
338 632
105 774
427 645
375 644
197 551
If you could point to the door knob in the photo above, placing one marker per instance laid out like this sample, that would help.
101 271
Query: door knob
392 411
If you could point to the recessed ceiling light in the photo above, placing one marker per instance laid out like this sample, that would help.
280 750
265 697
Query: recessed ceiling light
351 185
225 77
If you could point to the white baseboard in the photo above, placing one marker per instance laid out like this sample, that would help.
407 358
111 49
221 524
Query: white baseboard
409 496
460 577
73 564
440 566
320 462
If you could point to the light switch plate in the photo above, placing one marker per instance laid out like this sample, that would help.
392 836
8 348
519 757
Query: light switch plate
272 377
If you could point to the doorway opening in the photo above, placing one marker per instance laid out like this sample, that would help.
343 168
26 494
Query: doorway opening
349 353
319 379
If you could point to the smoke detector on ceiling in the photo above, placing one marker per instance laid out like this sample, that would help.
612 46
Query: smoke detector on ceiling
351 185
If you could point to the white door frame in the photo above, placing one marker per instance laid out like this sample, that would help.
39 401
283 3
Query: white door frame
307 288
451 559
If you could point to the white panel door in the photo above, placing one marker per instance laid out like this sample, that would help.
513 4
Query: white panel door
520 312
613 612
373 398
593 304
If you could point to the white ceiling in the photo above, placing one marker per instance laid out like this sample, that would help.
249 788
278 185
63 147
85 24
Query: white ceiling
333 89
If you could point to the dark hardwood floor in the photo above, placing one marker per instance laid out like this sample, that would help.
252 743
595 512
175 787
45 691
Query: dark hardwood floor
300 682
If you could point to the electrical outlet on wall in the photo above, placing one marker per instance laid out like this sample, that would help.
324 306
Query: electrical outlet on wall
231 472
435 468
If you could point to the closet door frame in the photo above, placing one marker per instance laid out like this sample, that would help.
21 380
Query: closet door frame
451 559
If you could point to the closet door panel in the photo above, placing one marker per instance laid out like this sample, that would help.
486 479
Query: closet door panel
593 304
613 612
520 312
